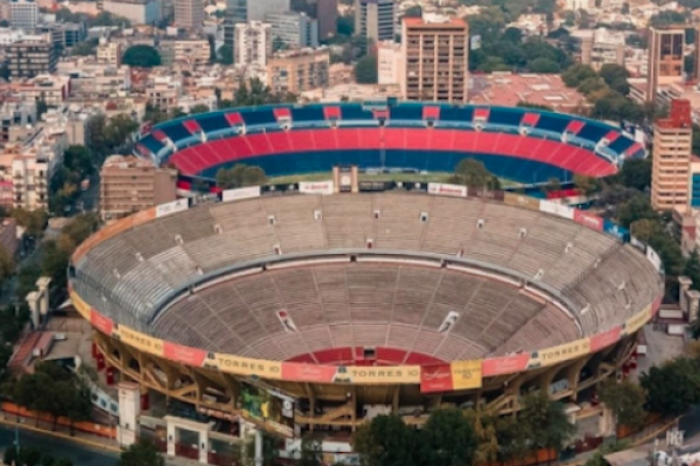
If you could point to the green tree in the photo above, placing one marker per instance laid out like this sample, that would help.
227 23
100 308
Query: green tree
366 70
83 49
637 208
254 93
448 438
626 400
615 76
225 55
547 422
636 173
311 453
199 108
7 265
143 453
33 220
692 269
586 184
598 458
240 175
674 387
526 104
78 159
385 441
668 18
513 439
141 55
543 65
472 173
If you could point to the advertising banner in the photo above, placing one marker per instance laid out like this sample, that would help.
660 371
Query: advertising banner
316 187
605 339
101 323
520 200
505 365
271 410
614 229
557 209
637 321
435 378
466 374
184 354
240 193
482 193
381 375
296 371
140 341
245 366
172 208
557 354
442 189
589 220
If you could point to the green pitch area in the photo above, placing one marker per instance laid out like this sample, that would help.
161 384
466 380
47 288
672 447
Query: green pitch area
432 177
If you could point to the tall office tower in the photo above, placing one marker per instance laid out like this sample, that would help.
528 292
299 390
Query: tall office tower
189 14
253 43
673 140
665 64
374 19
242 11
293 29
24 14
325 12
435 59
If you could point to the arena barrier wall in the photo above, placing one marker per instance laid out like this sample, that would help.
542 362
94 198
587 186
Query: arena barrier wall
458 375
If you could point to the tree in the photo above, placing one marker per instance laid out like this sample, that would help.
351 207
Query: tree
598 458
543 65
692 269
278 44
141 55
33 220
199 108
513 439
636 173
674 387
626 400
143 453
7 265
586 184
473 173
225 55
526 104
615 76
546 421
553 184
311 453
78 159
637 208
385 441
254 93
414 11
240 175
448 439
83 49
366 70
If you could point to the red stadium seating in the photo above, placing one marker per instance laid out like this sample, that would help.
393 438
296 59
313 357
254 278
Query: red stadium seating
611 136
530 119
574 126
431 113
159 135
234 119
192 126
331 113
195 159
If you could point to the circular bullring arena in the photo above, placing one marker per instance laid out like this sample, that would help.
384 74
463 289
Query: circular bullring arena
351 303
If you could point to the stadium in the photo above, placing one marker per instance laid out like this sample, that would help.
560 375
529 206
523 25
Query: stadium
342 303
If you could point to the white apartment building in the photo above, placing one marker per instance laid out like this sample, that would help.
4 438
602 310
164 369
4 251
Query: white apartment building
51 89
109 53
388 62
601 46
295 30
89 77
164 92
24 14
374 19
195 51
252 43
136 11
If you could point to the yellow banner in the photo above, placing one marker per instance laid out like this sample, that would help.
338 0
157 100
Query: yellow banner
80 305
379 375
637 321
557 354
140 341
246 366
466 374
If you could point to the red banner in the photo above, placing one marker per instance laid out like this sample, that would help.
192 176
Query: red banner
591 221
605 339
656 305
184 354
436 378
101 323
308 372
505 365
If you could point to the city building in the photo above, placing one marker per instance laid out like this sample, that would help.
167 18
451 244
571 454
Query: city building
243 11
388 62
24 14
665 64
109 53
293 29
374 19
435 52
601 47
164 92
28 58
129 184
13 114
65 35
136 11
325 12
670 178
195 51
189 14
252 43
51 89
298 70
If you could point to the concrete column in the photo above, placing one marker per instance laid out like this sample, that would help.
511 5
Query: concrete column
684 283
693 300
173 437
258 448
33 299
43 284
203 447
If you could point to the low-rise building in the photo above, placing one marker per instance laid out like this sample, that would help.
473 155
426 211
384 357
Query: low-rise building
109 53
388 62
130 184
51 89
298 71
194 51
28 58
136 11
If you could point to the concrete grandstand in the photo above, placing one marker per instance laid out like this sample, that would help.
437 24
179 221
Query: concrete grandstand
347 301
520 144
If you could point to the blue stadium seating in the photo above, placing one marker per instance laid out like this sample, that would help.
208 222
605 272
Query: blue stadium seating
505 116
553 123
307 114
259 117
621 144
213 122
152 143
176 132
592 132
457 114
413 112
355 112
